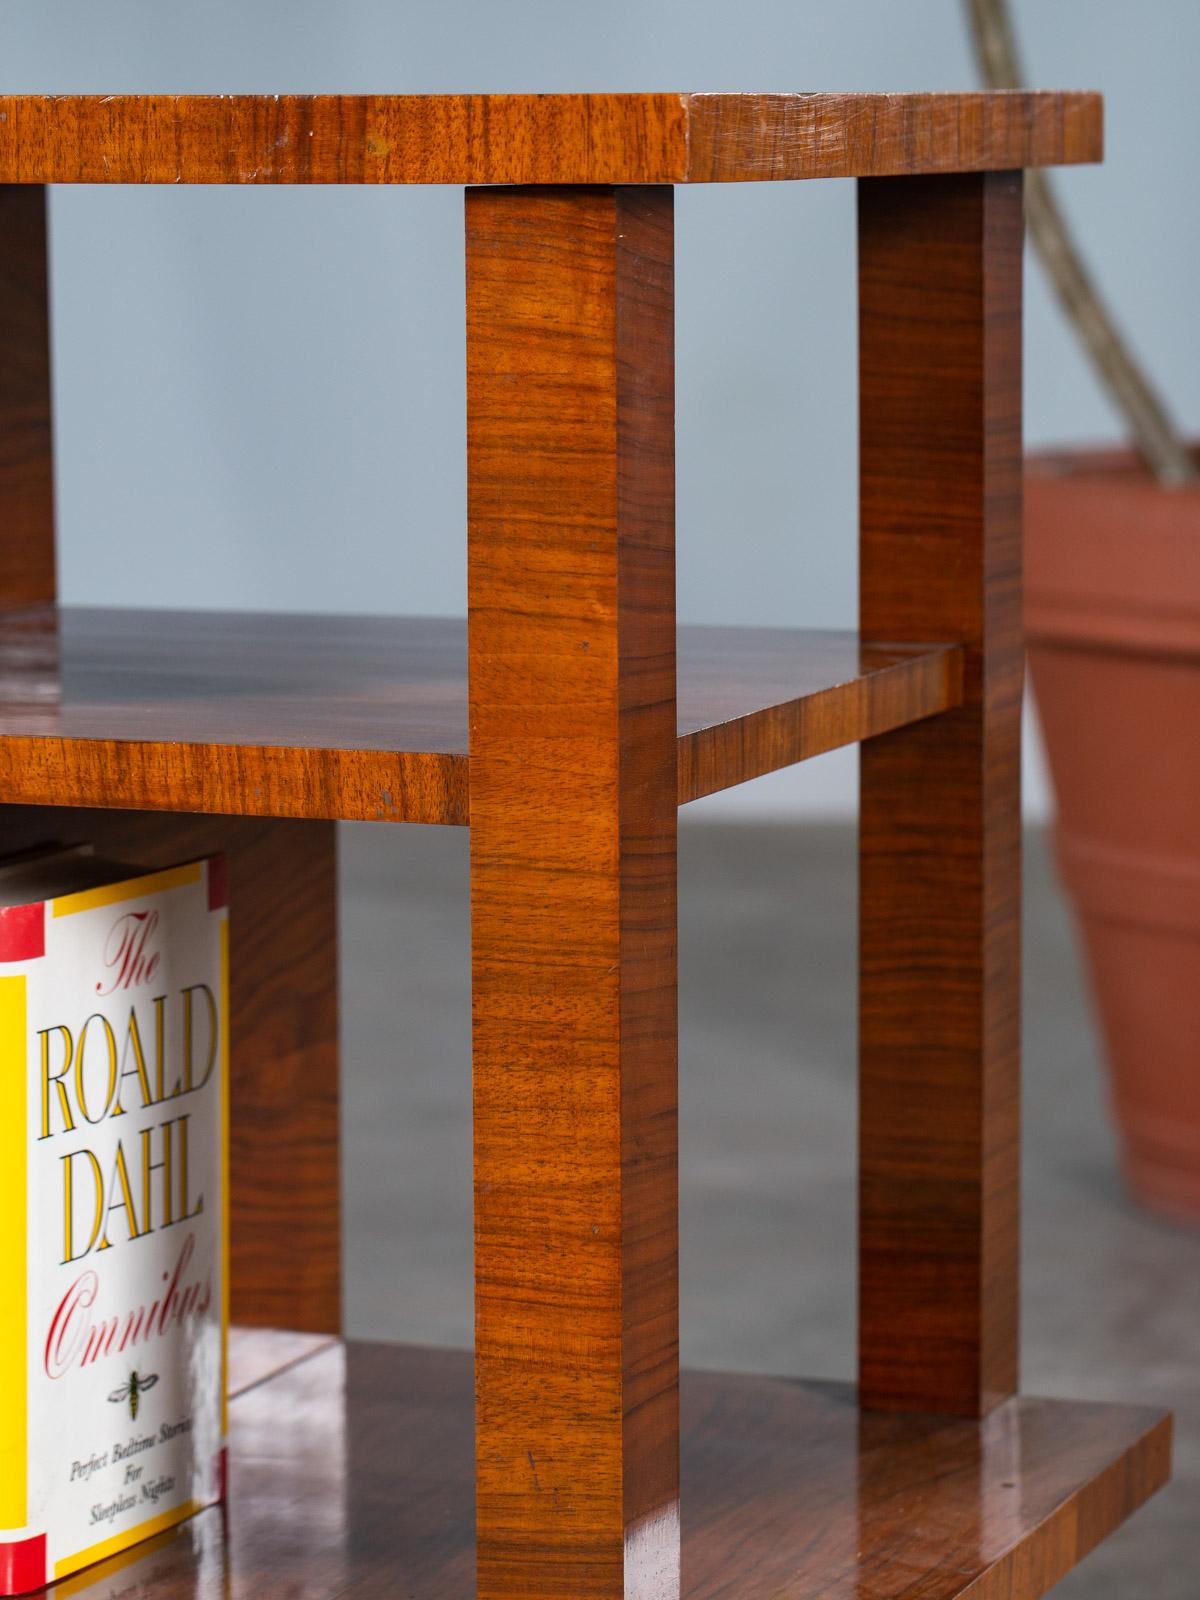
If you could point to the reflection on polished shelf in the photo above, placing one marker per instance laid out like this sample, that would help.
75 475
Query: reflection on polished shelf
787 1487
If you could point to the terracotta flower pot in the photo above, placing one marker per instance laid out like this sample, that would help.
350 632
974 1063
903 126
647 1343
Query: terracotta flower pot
1112 615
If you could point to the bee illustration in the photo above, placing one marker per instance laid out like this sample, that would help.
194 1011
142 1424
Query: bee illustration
133 1391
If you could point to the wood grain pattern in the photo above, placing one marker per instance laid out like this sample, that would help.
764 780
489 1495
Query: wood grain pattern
788 1491
571 583
535 139
735 137
940 395
752 700
285 1186
366 717
263 715
27 570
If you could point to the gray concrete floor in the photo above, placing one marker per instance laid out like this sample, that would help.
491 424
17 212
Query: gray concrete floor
1111 1295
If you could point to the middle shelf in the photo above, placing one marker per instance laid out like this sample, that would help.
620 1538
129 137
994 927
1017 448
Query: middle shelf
365 718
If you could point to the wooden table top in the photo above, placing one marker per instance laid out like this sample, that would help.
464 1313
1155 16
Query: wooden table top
527 138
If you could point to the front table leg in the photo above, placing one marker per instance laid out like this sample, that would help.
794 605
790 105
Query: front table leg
570 365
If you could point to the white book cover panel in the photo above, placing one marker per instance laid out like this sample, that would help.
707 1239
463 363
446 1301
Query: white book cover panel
113 1207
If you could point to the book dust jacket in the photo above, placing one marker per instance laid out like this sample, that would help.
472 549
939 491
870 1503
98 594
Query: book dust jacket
113 1207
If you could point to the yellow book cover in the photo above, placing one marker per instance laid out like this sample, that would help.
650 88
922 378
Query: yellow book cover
113 1206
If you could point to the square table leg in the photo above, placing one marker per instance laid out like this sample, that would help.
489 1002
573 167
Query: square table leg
573 871
940 439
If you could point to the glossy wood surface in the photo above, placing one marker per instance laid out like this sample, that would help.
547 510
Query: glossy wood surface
523 138
788 1491
26 467
940 432
285 1184
366 717
265 715
259 1354
571 589
752 700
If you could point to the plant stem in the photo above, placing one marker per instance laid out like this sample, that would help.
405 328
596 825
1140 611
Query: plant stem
1155 436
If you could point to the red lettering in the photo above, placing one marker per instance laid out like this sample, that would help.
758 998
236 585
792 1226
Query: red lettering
126 955
76 1338
67 1326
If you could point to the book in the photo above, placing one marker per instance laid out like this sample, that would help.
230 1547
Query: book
114 1275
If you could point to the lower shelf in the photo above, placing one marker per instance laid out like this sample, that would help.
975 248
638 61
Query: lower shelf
352 1468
